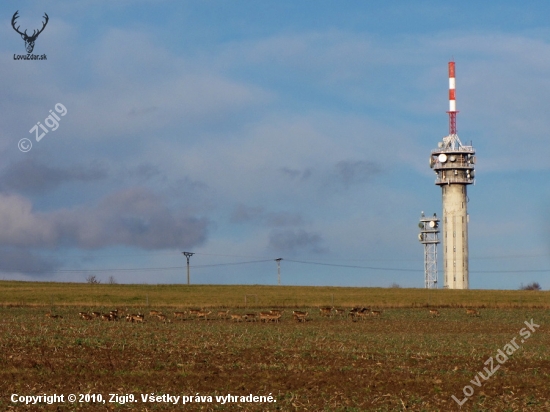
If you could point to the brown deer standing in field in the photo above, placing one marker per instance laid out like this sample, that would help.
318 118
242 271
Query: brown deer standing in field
434 313
194 312
162 317
203 314
237 318
137 318
154 313
86 316
362 314
376 313
352 312
251 317
113 315
358 312
264 316
273 318
299 315
339 311
326 311
472 312
223 314
180 315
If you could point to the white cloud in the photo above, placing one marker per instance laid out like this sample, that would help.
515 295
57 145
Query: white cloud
266 122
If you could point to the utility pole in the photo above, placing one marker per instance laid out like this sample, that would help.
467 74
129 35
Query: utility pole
278 270
188 255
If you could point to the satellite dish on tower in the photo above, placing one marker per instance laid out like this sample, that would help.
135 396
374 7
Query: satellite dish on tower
442 158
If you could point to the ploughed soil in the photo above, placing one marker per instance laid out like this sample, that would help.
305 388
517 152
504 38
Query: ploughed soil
404 360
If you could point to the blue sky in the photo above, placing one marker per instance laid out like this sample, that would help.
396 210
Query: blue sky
245 131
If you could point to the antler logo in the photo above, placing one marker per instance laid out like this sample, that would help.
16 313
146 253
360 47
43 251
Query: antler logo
29 40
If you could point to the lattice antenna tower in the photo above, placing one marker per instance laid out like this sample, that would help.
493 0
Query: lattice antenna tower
429 237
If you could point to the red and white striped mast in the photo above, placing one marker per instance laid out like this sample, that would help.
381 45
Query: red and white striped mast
452 100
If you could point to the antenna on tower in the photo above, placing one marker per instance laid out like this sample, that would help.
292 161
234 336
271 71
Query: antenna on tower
452 99
429 237
452 141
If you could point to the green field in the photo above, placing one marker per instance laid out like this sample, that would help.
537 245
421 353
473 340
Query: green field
59 294
404 360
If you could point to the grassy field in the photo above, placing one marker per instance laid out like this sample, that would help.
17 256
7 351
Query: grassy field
404 360
59 294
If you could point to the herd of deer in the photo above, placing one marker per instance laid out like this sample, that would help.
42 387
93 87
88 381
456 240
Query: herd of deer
111 316
274 315
359 313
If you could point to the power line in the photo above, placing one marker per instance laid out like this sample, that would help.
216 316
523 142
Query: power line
98 256
104 270
510 256
415 270
352 266
142 269
394 260
513 271
230 264
241 256
269 260
490 257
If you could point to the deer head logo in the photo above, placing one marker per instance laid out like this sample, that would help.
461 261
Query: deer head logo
29 40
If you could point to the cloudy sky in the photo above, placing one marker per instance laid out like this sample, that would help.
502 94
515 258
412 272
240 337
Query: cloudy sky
246 131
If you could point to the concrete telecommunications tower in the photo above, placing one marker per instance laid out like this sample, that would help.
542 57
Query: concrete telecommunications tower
453 164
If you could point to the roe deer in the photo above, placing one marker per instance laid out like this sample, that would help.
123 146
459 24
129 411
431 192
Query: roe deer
203 314
472 312
223 314
434 312
326 311
181 315
300 316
